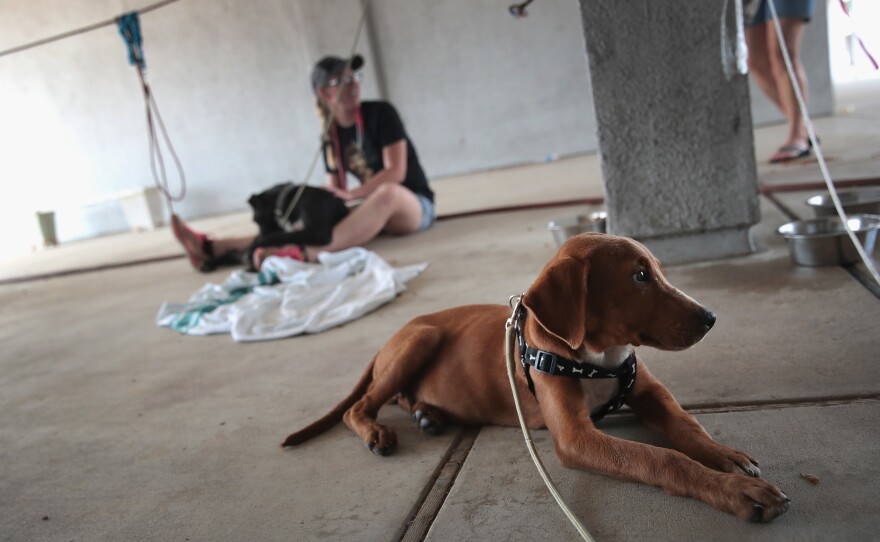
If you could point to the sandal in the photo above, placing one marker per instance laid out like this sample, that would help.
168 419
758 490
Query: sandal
787 153
294 252
185 236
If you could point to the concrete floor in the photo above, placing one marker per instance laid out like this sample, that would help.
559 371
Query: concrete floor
114 429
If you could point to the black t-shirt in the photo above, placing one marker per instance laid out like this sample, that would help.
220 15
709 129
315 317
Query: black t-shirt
382 127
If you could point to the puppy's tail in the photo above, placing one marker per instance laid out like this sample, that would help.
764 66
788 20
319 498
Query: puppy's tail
334 416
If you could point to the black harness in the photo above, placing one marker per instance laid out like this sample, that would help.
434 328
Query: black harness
552 364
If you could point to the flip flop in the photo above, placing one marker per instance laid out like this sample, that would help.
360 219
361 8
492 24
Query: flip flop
183 234
292 251
793 152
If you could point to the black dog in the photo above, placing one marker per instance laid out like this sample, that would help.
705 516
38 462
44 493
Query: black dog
310 222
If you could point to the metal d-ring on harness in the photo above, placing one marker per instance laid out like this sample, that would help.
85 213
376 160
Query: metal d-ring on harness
513 324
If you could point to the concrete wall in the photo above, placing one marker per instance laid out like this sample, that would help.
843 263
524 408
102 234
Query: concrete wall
225 78
482 90
477 90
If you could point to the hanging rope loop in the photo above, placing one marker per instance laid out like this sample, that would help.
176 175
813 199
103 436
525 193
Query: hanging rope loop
130 30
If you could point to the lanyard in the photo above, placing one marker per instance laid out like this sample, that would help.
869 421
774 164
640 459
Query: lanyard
337 147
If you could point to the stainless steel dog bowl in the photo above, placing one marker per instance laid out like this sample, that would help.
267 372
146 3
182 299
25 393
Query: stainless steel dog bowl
564 228
823 241
864 201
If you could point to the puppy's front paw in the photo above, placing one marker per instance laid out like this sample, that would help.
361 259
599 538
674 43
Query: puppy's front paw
381 440
752 499
724 459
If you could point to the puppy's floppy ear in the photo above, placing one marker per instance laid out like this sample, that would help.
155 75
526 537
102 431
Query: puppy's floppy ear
558 298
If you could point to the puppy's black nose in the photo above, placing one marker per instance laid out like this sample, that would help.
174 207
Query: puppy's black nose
708 319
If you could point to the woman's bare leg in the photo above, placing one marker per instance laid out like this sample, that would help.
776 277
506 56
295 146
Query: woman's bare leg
759 61
391 208
792 32
767 68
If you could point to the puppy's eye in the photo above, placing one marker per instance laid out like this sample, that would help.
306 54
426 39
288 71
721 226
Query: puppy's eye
641 276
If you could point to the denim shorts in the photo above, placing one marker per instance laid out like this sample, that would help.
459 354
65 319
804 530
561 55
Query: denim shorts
429 214
785 9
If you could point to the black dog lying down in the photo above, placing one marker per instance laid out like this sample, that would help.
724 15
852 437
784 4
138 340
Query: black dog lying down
310 222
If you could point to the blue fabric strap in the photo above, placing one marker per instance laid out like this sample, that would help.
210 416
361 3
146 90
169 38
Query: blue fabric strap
130 30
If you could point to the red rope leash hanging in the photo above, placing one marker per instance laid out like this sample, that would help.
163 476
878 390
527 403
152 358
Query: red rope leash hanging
129 28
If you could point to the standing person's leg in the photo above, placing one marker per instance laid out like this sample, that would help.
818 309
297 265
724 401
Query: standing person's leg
797 142
759 61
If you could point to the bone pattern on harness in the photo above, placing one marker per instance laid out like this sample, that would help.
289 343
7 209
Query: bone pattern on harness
552 364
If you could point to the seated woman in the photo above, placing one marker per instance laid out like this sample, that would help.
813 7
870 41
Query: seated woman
366 139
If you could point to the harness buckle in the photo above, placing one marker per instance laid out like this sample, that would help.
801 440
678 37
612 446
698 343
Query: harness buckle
546 362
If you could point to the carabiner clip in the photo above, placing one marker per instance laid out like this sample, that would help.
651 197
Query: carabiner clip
515 303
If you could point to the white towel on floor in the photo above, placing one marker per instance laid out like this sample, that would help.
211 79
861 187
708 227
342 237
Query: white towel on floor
288 297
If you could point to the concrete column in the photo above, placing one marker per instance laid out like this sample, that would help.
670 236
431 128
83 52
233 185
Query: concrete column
675 134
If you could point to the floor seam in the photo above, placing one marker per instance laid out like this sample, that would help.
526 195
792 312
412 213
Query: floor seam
746 406
864 279
789 214
427 506
771 404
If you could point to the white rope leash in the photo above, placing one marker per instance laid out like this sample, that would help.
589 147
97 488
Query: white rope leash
509 346
327 123
815 142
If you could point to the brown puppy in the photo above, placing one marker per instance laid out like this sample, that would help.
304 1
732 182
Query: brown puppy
599 297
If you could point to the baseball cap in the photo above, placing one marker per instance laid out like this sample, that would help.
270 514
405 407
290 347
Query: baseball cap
331 66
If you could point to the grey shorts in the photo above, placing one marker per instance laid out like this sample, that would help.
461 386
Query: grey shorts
429 214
